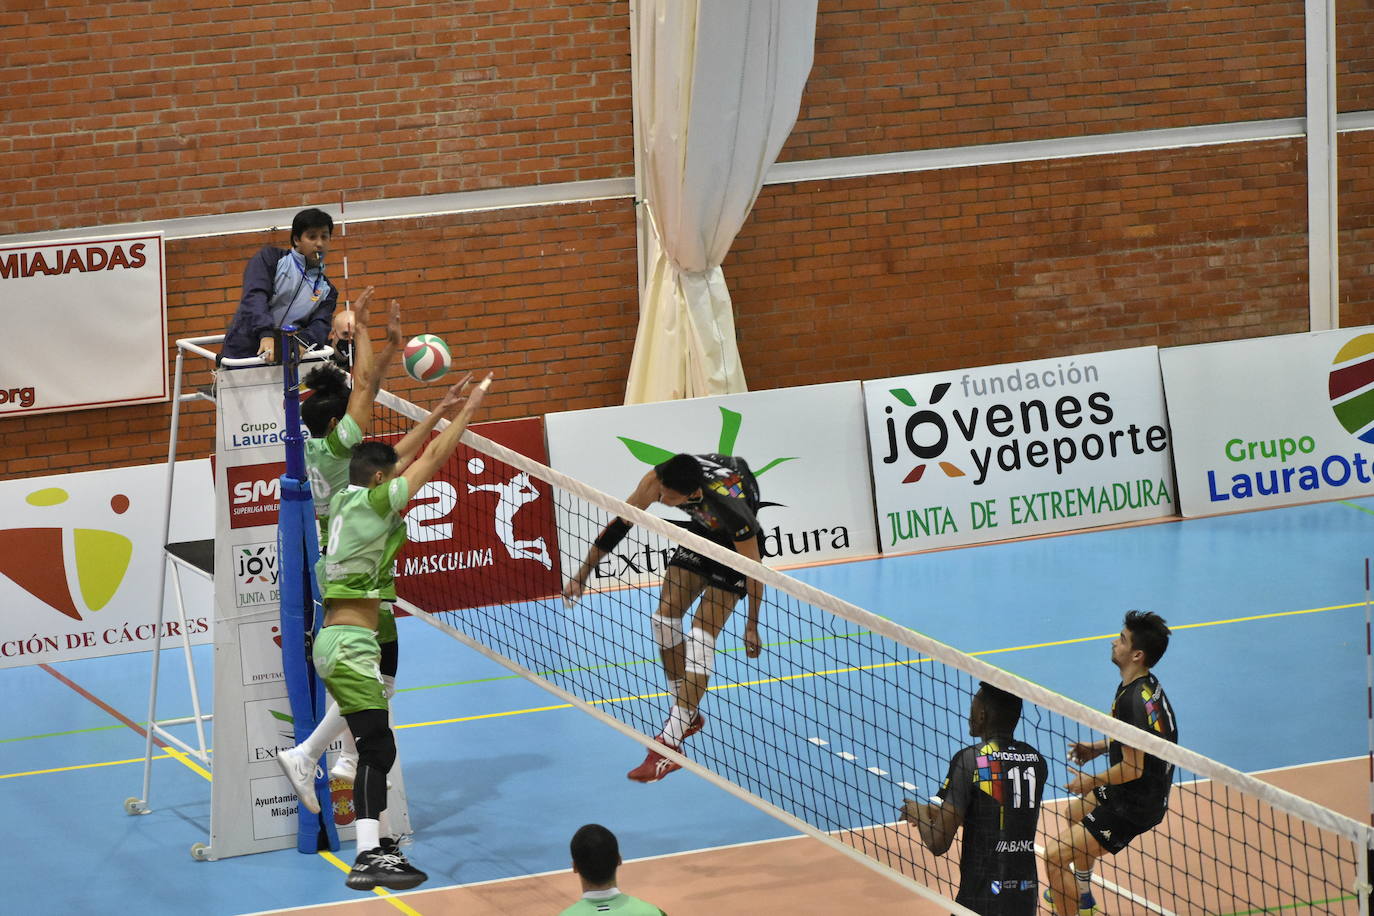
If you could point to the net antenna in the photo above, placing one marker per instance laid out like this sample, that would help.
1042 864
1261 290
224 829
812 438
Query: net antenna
846 712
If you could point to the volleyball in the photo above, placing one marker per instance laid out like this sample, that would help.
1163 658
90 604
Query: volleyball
427 358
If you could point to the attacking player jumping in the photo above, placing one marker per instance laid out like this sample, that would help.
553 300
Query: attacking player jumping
721 496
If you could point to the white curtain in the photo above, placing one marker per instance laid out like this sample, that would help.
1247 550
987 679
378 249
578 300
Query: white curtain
718 86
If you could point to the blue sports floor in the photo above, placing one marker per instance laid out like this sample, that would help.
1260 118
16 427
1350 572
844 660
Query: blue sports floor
1266 669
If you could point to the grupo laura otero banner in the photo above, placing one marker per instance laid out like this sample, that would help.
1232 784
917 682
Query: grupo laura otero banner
998 452
1272 421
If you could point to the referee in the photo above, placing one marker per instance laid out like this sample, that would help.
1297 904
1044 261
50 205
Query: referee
993 789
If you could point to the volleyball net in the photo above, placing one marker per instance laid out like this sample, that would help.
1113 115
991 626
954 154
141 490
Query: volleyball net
843 715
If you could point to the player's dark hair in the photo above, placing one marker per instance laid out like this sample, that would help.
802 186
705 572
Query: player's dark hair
1148 634
596 853
1003 709
314 218
368 458
328 399
681 473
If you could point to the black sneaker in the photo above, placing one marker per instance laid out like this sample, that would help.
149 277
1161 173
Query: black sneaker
380 868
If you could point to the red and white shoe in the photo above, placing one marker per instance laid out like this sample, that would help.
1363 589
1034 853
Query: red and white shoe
698 723
654 768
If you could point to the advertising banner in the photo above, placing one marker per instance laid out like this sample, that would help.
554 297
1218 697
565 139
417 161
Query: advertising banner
481 532
81 557
805 446
252 804
96 298
997 452
1272 421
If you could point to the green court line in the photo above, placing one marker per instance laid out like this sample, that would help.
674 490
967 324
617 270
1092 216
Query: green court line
1296 905
75 731
913 661
1361 508
642 661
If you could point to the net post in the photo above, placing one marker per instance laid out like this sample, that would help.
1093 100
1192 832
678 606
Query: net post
297 551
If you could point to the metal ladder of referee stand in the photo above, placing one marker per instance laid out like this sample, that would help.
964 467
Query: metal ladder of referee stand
198 558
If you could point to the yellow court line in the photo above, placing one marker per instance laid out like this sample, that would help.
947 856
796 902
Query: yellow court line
379 891
323 853
79 766
181 757
781 678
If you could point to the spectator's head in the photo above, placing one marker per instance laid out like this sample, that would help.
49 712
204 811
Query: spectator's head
993 711
328 401
595 856
373 463
681 478
1143 632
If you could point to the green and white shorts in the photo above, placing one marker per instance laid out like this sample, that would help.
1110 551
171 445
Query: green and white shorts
348 659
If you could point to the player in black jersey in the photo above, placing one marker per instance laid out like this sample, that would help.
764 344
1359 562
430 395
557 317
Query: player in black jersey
993 789
1132 794
721 496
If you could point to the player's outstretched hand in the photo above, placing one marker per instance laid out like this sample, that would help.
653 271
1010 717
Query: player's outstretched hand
453 398
344 326
1083 751
393 325
572 591
478 392
914 811
1080 783
753 646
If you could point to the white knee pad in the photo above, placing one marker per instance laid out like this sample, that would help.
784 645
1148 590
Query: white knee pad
701 651
667 630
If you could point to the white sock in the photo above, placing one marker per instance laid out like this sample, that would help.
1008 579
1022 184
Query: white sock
1084 879
369 834
679 718
675 688
326 733
349 747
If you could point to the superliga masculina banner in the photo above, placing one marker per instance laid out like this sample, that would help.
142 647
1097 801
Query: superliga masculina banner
1007 451
85 300
804 445
1272 421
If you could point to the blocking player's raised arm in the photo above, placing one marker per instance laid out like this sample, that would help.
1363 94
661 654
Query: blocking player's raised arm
443 445
413 441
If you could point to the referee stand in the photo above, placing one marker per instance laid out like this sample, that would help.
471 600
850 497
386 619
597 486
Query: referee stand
198 558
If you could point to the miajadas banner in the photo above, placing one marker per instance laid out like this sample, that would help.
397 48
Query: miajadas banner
69 309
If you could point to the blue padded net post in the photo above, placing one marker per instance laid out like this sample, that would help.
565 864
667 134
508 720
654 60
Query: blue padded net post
297 552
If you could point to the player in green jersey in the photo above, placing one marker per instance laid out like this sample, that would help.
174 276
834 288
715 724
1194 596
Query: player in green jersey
595 859
338 420
366 530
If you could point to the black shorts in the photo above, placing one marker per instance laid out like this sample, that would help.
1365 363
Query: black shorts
1110 825
1011 898
716 574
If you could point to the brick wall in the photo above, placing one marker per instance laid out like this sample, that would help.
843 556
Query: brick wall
544 298
965 267
129 112
136 111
